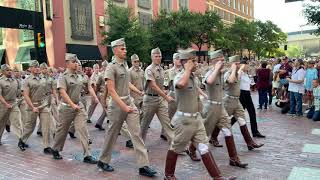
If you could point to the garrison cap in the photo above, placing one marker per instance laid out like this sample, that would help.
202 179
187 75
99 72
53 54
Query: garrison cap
118 42
5 67
70 57
233 59
175 56
215 54
134 57
104 63
34 63
186 53
43 65
156 51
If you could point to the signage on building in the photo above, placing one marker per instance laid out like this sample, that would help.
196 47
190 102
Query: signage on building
20 19
146 4
81 20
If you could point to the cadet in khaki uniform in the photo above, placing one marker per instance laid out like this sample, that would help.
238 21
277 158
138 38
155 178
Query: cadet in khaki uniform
35 92
100 86
70 85
187 121
172 106
154 100
232 103
122 109
9 109
93 80
214 112
55 99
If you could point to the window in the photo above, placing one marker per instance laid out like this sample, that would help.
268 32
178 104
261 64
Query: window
146 4
235 4
166 5
243 8
239 6
145 19
247 9
184 4
230 3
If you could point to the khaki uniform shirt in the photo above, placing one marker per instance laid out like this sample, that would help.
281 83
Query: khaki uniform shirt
154 73
38 87
72 83
215 90
187 98
9 89
119 74
231 89
137 79
172 74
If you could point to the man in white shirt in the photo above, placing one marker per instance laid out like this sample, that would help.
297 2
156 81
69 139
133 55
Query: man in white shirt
296 88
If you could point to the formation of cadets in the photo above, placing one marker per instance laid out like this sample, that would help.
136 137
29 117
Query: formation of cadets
130 98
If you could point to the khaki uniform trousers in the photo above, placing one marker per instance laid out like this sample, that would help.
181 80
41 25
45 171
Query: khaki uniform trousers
234 107
67 115
14 116
104 113
72 129
46 125
55 115
187 129
215 115
92 107
172 108
156 105
117 118
23 111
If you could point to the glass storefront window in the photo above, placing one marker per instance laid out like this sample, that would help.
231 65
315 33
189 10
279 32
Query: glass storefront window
30 5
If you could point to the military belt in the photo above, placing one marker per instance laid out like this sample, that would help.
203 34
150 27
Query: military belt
214 102
180 113
232 97
148 94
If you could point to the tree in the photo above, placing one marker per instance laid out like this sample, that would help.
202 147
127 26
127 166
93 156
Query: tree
206 29
122 24
268 39
312 13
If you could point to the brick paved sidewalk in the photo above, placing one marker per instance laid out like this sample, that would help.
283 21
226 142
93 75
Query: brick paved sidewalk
291 152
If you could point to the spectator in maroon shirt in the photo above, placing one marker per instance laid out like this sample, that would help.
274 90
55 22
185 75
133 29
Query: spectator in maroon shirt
263 84
285 71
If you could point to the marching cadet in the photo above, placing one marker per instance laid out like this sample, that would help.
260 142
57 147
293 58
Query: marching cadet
172 106
9 109
52 72
100 86
83 99
122 109
36 95
93 80
154 100
70 85
214 112
232 103
187 122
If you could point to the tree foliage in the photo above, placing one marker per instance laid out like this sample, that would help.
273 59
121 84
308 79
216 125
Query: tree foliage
122 24
312 13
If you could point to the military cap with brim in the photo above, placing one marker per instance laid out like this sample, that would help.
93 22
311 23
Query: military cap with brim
43 65
233 59
118 42
185 54
34 63
5 67
134 57
215 54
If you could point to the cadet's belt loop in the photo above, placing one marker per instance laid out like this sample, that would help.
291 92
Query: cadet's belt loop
215 102
187 114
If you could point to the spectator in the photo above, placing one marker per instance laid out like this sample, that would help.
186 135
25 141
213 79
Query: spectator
284 71
296 88
263 84
275 72
270 94
311 74
316 101
284 102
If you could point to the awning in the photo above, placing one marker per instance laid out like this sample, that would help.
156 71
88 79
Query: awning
23 55
85 52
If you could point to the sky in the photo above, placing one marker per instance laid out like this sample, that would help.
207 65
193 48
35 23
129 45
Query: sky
288 16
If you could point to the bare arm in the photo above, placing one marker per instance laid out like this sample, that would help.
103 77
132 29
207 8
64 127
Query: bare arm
232 78
134 89
67 99
183 82
213 76
156 88
3 101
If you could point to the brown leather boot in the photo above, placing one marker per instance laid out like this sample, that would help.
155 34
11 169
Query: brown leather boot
192 153
171 161
248 139
212 167
214 138
233 155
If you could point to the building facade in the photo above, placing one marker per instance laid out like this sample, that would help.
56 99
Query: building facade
307 40
229 10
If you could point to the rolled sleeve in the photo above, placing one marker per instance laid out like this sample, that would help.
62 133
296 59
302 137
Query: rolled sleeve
110 73
62 82
149 75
